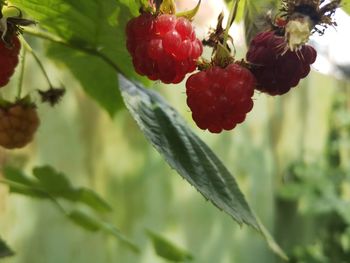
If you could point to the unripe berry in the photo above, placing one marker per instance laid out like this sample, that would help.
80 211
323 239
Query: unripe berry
18 124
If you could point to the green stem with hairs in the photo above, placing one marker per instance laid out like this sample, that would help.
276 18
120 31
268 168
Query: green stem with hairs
37 60
21 76
231 18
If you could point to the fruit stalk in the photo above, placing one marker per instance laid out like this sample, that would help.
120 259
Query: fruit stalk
231 18
37 60
21 76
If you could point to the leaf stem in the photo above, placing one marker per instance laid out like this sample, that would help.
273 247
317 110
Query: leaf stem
231 18
39 190
21 76
90 51
37 60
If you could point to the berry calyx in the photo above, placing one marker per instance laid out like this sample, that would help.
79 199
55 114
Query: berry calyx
276 68
9 59
163 47
220 98
18 124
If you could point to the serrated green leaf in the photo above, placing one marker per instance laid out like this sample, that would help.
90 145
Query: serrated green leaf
166 249
96 25
5 250
185 152
189 155
255 12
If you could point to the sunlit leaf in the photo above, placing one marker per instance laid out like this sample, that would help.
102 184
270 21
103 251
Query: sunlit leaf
95 25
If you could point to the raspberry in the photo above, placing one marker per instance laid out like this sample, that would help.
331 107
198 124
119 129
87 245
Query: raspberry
277 71
9 59
163 47
18 123
220 98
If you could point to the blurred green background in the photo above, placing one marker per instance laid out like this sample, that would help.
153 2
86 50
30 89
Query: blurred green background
290 158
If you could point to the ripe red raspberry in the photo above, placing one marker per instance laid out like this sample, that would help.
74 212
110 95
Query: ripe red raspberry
163 47
220 98
9 59
277 72
18 123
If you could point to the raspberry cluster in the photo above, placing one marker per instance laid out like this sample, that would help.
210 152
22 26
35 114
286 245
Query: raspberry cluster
18 123
220 98
9 59
276 68
163 47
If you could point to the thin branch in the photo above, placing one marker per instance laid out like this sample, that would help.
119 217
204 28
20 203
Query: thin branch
90 51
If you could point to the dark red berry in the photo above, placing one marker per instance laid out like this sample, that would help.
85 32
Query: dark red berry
18 124
220 98
275 69
9 59
163 47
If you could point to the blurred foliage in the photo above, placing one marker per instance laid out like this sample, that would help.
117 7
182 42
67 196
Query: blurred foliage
5 251
166 249
321 193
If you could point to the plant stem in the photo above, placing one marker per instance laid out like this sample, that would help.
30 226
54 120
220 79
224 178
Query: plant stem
38 190
37 60
21 76
90 51
231 18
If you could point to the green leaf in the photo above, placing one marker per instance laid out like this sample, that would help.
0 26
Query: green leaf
255 12
21 184
17 176
345 4
93 224
90 198
5 251
84 220
185 152
166 249
57 185
95 25
53 182
97 78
